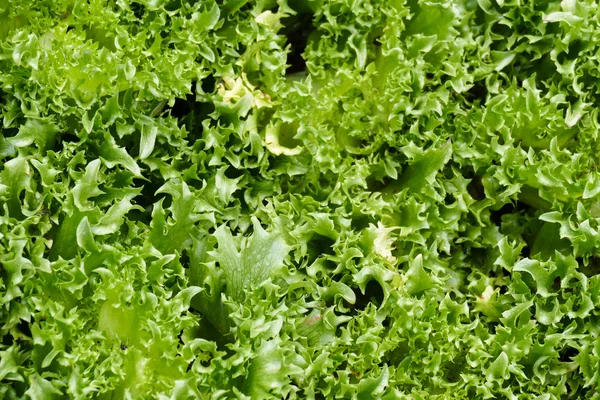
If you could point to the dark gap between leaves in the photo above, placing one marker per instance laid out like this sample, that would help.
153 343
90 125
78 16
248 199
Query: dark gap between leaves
373 294
138 9
297 29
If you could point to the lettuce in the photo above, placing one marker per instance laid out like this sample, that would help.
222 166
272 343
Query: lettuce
299 199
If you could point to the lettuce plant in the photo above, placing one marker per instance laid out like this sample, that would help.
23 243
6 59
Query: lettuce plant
300 199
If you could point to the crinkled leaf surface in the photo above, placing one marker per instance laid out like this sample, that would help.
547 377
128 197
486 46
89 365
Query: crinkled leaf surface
253 199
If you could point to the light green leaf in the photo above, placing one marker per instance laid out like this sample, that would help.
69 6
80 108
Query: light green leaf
247 262
36 132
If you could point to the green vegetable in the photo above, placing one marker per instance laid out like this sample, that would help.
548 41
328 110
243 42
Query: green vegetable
253 199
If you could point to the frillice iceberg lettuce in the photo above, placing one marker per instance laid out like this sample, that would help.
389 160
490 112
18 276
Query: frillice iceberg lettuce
299 199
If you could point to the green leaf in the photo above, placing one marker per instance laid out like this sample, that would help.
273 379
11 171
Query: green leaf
269 371
417 279
498 369
36 132
424 167
40 388
373 387
147 141
112 155
548 241
247 262
209 18
173 235
540 275
85 237
16 176
10 361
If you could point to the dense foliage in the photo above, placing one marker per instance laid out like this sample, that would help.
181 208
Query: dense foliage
299 199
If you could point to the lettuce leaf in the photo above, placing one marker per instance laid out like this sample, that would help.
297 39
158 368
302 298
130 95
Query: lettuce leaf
293 199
